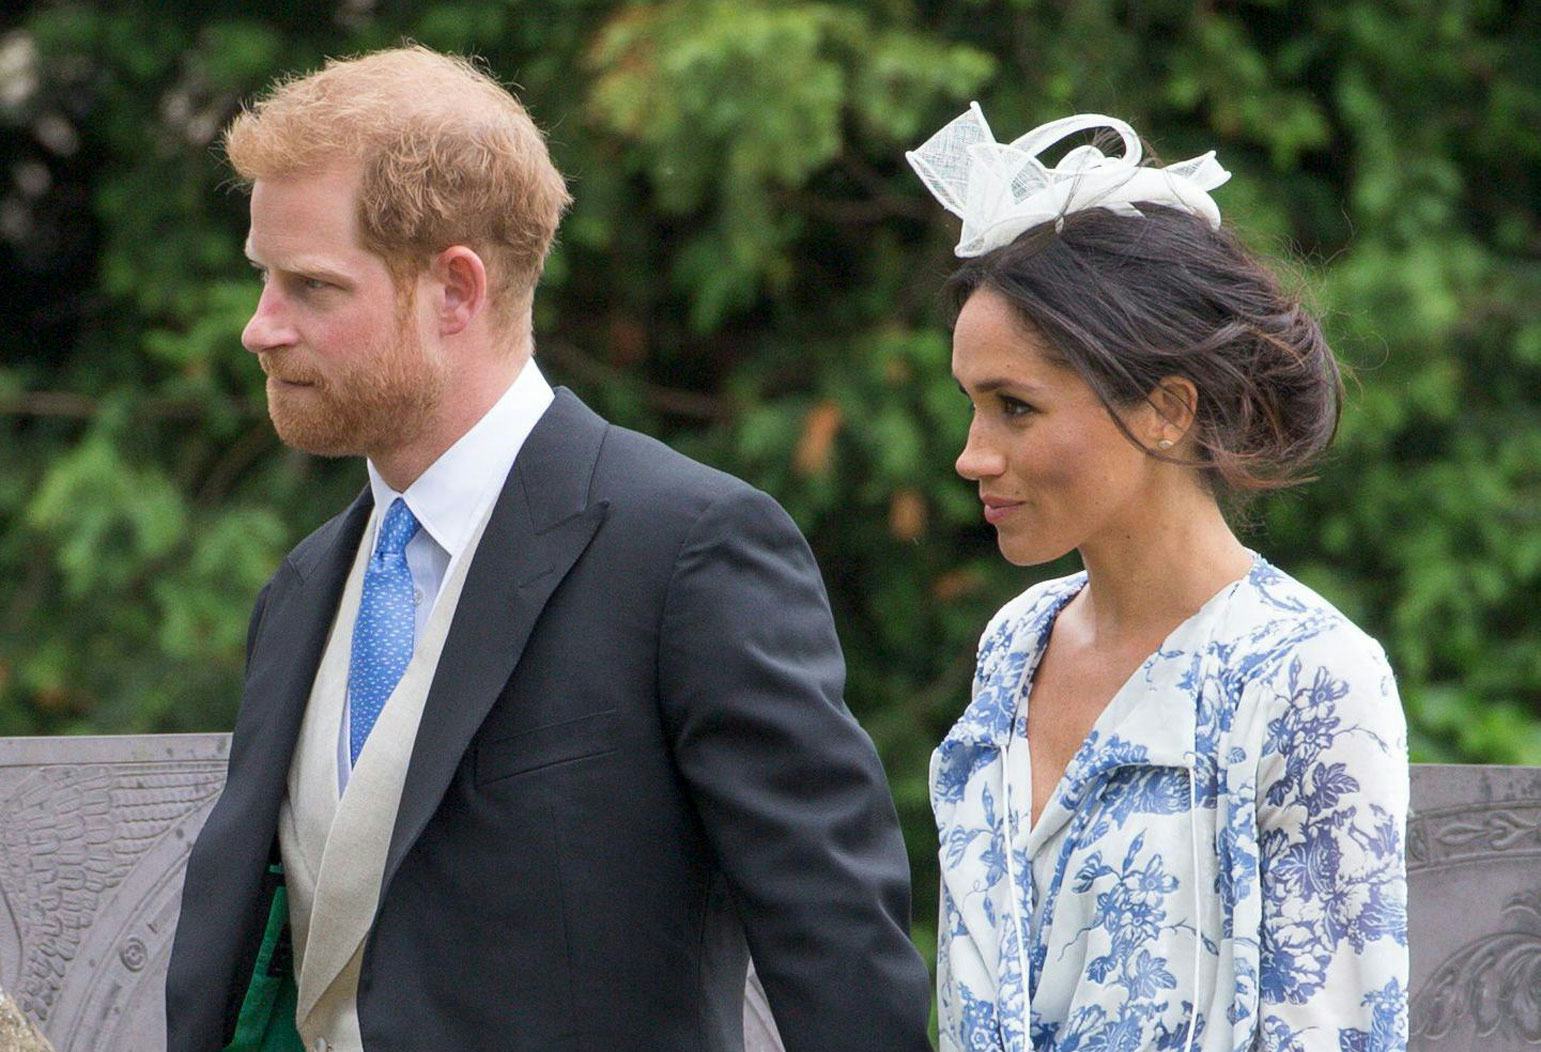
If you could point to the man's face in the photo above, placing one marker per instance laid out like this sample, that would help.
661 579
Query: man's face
348 370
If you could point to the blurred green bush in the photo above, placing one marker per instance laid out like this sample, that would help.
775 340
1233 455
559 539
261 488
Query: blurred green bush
751 273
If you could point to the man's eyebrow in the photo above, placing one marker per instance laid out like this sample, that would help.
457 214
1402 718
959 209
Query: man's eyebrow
308 267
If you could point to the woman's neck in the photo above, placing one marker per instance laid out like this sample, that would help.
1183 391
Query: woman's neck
1153 569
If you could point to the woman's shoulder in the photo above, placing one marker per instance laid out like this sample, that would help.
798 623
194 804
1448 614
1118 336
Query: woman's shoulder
1271 608
1282 635
1029 611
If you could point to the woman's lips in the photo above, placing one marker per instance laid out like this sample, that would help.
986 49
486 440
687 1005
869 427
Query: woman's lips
996 509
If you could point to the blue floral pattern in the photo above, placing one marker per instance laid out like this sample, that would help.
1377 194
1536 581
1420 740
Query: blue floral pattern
1221 867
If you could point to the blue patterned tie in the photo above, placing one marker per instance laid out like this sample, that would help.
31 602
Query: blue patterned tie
382 635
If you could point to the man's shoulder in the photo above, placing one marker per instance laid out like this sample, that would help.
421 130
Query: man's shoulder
663 498
644 473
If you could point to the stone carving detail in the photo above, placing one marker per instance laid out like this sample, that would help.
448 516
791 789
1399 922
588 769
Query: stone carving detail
1492 984
1474 875
94 835
133 955
1459 836
69 838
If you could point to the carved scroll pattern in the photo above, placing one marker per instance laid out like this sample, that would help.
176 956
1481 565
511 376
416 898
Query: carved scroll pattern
1490 987
69 838
1459 836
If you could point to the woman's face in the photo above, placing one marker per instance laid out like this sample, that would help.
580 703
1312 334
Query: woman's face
1053 468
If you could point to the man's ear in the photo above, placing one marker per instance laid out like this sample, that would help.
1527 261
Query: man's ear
462 278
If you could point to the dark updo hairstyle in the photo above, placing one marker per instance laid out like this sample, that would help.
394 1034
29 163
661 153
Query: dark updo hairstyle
1126 301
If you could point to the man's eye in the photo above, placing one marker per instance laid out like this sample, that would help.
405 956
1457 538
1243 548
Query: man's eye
313 284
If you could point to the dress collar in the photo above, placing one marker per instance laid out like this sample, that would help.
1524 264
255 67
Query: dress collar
450 496
1163 685
1008 655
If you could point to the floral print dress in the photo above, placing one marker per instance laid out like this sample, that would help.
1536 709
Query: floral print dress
1221 867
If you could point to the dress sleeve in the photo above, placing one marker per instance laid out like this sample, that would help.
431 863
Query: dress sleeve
967 1016
949 1022
966 1012
1332 813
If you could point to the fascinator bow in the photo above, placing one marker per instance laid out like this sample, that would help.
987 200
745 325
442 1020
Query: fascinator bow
1000 190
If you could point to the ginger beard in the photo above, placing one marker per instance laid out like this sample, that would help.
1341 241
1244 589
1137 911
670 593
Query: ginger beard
356 407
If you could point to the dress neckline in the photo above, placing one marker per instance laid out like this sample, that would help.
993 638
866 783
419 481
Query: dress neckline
1162 725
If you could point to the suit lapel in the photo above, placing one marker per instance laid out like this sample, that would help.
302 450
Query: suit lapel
293 633
542 522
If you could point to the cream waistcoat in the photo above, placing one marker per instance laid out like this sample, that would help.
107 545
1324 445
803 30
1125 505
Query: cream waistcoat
334 850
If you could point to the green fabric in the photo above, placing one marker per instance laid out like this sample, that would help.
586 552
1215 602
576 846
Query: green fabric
266 1022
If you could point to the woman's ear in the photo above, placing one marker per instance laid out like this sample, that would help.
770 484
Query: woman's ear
462 277
1175 401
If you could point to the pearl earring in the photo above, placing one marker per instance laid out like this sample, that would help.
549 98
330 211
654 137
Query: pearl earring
1165 443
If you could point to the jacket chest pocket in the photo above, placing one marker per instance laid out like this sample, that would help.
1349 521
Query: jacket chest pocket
554 743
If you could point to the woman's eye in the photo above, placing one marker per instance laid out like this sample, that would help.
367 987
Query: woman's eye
1012 407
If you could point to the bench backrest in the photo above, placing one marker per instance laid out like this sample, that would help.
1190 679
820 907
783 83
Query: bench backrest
94 835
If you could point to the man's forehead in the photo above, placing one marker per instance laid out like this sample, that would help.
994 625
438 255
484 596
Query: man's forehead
342 173
308 216
318 263
330 192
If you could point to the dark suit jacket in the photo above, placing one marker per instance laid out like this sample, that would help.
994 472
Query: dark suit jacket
634 759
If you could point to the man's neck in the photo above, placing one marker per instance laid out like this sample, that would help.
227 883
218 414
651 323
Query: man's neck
460 410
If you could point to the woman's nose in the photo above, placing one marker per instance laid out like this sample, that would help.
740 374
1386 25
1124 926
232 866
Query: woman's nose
979 460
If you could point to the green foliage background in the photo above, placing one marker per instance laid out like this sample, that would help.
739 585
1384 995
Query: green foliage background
751 272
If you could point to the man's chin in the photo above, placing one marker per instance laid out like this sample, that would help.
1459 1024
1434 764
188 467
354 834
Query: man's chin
320 438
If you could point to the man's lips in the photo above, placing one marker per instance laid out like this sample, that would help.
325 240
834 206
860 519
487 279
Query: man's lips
998 508
279 378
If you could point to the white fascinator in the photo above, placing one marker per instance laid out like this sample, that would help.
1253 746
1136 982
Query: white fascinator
1001 189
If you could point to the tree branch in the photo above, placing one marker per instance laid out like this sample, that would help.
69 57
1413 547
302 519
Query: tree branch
668 400
847 212
70 405
238 457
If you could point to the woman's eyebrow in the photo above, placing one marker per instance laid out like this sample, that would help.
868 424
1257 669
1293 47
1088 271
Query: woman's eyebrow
995 383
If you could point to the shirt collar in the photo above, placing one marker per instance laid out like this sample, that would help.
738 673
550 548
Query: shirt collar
449 498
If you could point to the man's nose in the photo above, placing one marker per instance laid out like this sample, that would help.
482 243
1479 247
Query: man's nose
269 328
979 459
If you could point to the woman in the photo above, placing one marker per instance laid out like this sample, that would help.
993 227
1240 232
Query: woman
1172 815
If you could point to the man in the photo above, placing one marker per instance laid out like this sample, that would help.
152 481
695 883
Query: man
543 735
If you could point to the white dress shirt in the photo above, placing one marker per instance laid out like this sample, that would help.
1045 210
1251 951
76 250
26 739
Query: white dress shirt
450 499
